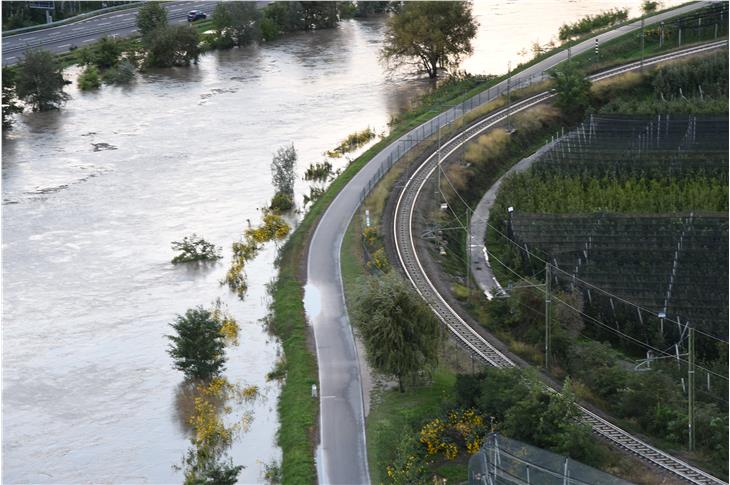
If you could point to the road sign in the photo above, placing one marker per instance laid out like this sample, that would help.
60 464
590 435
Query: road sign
42 5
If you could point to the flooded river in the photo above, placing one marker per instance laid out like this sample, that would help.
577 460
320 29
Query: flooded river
94 194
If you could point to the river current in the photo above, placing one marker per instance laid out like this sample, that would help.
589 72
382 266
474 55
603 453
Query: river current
94 194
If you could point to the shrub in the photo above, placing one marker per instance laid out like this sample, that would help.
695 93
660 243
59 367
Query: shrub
122 73
195 248
89 79
282 202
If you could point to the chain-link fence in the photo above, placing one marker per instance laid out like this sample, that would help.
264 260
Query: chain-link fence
505 461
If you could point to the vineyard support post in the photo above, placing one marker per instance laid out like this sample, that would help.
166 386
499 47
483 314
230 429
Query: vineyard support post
691 388
547 317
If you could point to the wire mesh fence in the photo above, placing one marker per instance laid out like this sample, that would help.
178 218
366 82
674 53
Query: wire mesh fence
626 146
504 461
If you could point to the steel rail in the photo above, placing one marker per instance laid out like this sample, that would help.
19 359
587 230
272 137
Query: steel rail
411 264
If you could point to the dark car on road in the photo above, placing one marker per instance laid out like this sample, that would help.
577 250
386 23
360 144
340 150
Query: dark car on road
194 15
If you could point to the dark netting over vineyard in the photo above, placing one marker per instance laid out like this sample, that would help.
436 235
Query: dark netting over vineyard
505 461
676 264
658 146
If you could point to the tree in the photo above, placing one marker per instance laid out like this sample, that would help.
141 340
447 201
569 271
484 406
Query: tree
319 15
150 17
573 89
400 332
40 82
430 35
237 21
282 170
175 45
9 100
198 348
649 6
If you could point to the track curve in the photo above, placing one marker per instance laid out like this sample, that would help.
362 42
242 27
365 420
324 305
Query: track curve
410 262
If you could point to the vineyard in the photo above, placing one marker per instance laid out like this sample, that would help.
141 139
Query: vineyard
636 207
674 264
623 147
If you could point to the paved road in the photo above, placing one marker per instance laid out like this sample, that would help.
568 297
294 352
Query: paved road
60 39
342 456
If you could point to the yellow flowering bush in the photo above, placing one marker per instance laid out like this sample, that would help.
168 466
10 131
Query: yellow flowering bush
371 236
461 429
273 228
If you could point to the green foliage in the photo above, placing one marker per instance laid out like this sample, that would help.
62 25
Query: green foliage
523 409
649 6
39 81
281 17
282 169
531 192
400 332
198 346
150 17
122 73
282 202
431 35
237 23
107 52
318 171
573 89
89 79
319 15
195 248
9 99
175 45
352 142
368 9
592 22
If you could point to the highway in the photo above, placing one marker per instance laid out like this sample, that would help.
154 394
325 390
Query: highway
59 39
342 456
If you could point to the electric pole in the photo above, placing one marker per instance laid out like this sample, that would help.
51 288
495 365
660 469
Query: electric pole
547 317
509 96
691 390
642 45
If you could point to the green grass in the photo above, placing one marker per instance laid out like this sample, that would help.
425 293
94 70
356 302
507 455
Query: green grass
392 412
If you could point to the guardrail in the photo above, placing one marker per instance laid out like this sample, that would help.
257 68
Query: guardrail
71 20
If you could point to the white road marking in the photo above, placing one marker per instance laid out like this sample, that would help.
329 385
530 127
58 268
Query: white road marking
87 40
64 45
103 23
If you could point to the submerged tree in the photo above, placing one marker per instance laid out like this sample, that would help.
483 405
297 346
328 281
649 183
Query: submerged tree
400 332
40 82
238 23
198 346
150 17
282 177
10 100
431 35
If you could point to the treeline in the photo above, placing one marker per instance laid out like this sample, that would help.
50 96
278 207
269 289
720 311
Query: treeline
592 22
240 23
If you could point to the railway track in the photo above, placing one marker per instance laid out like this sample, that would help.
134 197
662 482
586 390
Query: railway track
410 262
